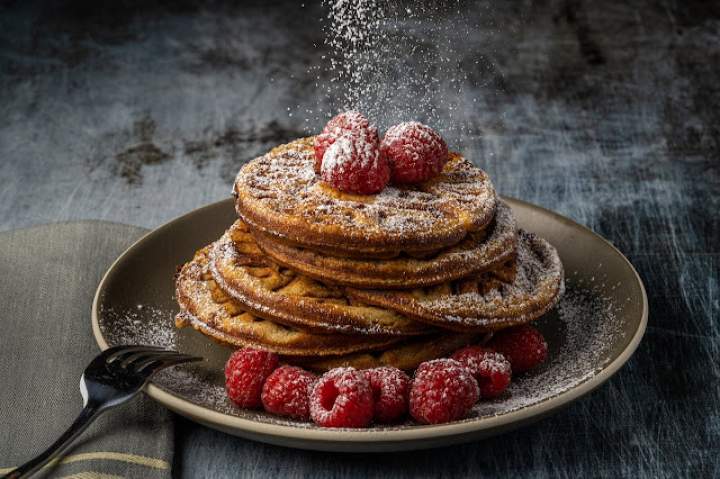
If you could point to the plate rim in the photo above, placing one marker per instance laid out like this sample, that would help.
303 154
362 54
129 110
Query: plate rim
421 432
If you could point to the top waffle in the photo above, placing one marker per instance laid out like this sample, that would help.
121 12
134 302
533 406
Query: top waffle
279 194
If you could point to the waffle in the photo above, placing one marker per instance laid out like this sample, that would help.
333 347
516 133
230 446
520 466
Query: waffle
282 295
479 251
406 355
280 195
488 301
210 311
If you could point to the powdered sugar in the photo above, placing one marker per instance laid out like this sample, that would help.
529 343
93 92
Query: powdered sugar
142 324
338 154
587 326
495 363
347 148
400 130
482 360
353 125
399 60
346 121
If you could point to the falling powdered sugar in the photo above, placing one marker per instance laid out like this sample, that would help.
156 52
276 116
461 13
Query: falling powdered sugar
396 61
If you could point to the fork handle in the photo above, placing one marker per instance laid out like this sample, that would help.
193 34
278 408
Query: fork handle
87 415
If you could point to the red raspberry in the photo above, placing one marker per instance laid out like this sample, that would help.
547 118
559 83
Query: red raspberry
347 122
443 390
415 152
341 398
390 388
245 373
353 164
286 392
524 346
491 370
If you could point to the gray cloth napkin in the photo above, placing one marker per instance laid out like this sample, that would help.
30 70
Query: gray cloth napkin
48 276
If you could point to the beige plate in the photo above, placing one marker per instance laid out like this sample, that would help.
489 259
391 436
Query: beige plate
594 331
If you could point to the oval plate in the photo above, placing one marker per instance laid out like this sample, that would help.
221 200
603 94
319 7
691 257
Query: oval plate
591 334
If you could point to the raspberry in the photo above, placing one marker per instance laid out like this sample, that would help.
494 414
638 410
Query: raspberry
245 373
286 392
353 164
443 390
390 388
524 346
341 398
415 152
347 122
491 370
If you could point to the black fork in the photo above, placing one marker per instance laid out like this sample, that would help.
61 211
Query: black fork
114 377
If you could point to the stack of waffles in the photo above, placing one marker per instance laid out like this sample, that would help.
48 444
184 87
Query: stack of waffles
328 279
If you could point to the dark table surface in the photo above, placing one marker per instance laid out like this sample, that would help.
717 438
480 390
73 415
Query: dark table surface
608 113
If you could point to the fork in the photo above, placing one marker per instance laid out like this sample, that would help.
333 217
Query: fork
114 377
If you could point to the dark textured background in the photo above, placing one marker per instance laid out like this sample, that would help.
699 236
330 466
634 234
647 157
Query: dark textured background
603 111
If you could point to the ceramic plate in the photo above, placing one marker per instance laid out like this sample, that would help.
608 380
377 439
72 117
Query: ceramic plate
594 330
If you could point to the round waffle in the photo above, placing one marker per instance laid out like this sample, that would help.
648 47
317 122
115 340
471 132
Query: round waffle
279 194
489 301
282 295
209 310
406 355
478 252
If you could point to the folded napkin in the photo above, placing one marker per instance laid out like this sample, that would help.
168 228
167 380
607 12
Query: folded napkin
48 276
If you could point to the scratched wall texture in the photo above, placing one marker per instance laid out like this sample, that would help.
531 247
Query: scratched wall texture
606 112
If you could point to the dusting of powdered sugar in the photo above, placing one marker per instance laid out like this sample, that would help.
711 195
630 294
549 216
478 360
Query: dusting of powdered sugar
487 361
581 332
338 155
397 61
349 149
141 324
587 325
401 131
